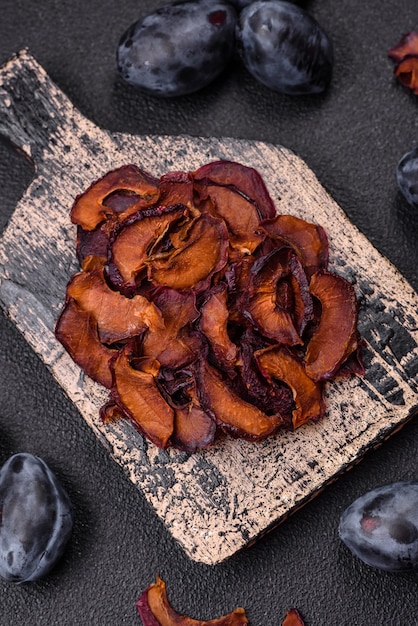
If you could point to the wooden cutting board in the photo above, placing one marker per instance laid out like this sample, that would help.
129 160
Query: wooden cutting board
221 500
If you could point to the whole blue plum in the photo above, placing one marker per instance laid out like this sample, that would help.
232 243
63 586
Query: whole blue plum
179 48
36 519
381 526
284 47
407 177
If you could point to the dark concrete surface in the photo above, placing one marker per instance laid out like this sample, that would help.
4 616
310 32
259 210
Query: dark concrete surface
352 138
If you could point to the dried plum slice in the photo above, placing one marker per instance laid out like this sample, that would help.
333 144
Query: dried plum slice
407 72
91 247
77 331
278 362
232 413
194 260
293 618
240 215
270 396
136 392
135 315
171 344
176 188
303 306
155 610
194 429
408 45
129 246
309 240
268 298
405 53
214 316
336 336
90 208
243 179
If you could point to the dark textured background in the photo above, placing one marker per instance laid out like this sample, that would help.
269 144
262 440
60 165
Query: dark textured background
352 138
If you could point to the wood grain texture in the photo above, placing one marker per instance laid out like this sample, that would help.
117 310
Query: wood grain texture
221 500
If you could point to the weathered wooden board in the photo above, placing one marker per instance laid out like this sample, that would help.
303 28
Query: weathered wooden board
220 500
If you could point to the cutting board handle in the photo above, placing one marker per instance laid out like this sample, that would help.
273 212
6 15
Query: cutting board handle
34 113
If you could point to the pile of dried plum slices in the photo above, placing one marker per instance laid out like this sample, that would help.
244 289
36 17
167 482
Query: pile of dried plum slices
201 309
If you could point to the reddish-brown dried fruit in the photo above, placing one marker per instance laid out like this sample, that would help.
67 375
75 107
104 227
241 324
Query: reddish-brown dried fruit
246 181
407 45
206 241
130 244
232 413
194 429
155 610
90 208
214 316
336 336
167 343
77 331
176 188
268 302
293 618
280 363
405 54
308 240
407 73
135 315
137 392
201 310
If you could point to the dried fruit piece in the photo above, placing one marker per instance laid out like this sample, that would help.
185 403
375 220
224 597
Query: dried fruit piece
91 247
239 214
407 73
405 53
245 180
270 396
172 347
308 240
280 363
336 336
135 390
238 417
130 244
407 45
194 429
214 316
155 610
90 208
176 188
303 306
266 304
202 252
293 618
135 315
77 331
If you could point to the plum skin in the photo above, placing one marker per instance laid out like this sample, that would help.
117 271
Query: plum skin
36 519
179 48
407 177
381 527
284 47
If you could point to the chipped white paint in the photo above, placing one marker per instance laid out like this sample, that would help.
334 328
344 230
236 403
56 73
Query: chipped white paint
218 501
